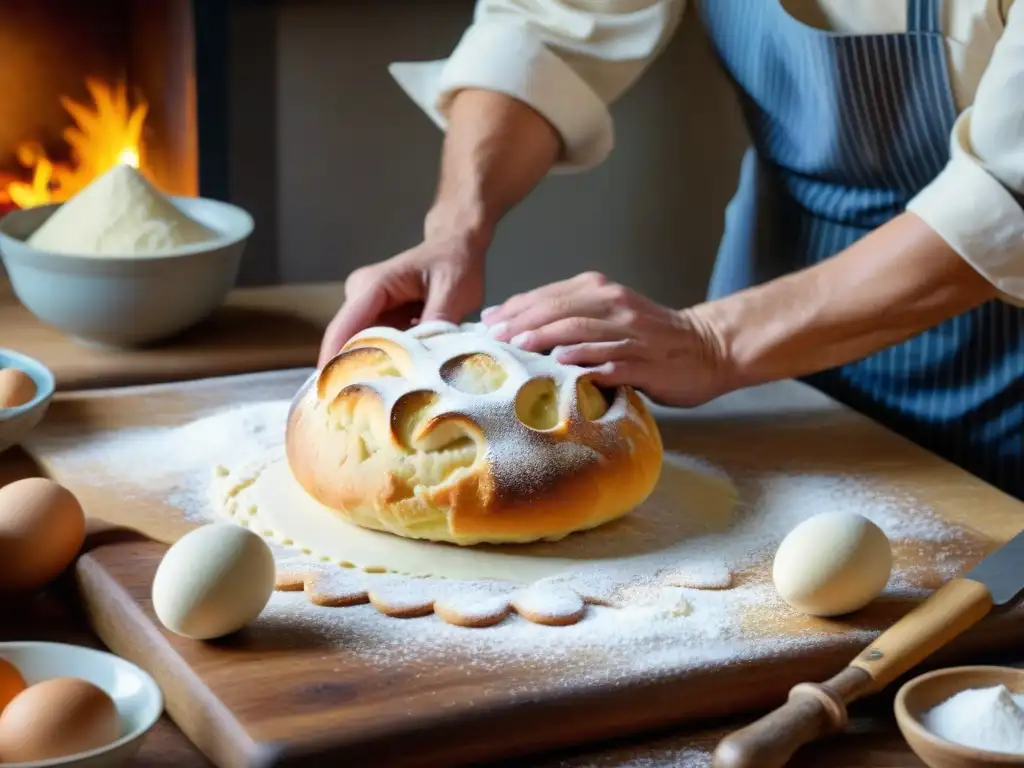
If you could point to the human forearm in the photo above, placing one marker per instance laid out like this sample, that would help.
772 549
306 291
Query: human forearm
495 151
891 285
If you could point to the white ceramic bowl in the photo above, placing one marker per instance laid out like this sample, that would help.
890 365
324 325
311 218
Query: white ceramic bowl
137 697
16 423
126 301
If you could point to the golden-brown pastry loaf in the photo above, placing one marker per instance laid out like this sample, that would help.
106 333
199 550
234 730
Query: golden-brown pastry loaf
443 433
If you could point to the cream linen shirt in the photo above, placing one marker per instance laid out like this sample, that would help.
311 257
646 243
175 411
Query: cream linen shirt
571 59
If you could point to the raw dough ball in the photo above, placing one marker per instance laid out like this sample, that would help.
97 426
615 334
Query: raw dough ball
213 581
831 564
16 388
42 528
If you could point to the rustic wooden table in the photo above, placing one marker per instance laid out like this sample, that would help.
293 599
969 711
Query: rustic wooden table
872 739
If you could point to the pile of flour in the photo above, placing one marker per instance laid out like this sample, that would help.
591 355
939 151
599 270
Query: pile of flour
119 214
991 719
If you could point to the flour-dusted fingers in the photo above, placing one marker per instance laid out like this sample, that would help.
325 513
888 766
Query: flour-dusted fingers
596 353
571 331
434 280
357 313
579 305
521 302
587 297
557 292
562 306
620 372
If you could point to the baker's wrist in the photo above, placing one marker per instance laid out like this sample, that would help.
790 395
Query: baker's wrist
776 330
467 225
701 322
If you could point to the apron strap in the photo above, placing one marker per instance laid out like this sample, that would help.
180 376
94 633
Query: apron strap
924 16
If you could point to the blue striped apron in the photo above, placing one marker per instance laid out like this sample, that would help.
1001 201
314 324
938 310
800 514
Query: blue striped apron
845 130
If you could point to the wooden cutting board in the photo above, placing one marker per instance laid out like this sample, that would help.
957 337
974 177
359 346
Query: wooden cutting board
257 329
259 700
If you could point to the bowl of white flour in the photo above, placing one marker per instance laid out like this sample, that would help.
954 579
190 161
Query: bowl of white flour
120 264
964 717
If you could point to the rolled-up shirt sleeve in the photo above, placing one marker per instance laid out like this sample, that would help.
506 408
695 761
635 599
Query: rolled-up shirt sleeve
568 60
976 204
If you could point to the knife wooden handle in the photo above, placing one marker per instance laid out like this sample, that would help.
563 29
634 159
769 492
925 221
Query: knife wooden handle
953 608
814 710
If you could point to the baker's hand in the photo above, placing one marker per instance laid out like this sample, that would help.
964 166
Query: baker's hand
436 280
590 321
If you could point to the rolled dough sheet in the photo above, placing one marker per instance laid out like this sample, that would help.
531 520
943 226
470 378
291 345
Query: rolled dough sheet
689 501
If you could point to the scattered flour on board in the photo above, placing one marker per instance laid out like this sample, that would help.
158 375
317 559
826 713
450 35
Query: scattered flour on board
676 625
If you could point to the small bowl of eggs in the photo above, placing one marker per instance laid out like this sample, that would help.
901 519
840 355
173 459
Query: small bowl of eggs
26 388
67 705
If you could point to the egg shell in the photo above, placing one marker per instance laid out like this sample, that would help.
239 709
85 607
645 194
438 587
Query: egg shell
16 388
11 683
57 718
213 581
42 528
832 564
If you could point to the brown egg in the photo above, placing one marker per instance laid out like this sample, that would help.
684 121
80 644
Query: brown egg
11 683
16 388
57 718
42 528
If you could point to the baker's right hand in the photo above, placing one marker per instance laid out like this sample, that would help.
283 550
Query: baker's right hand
436 280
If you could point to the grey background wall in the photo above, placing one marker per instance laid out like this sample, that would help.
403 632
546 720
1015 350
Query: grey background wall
339 168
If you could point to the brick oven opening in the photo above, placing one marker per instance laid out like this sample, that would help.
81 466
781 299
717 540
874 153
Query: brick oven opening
84 86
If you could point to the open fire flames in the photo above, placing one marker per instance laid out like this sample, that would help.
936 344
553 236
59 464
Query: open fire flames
105 134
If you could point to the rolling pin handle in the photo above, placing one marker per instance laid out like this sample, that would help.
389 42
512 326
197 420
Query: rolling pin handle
811 711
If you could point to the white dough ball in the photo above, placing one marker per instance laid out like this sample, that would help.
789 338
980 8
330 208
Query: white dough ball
832 564
213 581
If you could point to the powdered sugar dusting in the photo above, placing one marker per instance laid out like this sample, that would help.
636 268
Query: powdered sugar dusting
605 645
472 610
550 603
523 460
700 574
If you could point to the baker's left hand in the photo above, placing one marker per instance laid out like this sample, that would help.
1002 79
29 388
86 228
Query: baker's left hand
672 356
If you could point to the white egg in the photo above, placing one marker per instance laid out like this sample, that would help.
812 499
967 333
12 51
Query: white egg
832 564
213 581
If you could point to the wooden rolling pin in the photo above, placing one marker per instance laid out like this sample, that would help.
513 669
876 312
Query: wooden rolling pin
814 710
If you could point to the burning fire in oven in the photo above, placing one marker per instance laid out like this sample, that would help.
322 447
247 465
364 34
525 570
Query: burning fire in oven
105 134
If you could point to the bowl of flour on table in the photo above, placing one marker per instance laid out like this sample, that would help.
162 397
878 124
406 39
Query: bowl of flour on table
120 264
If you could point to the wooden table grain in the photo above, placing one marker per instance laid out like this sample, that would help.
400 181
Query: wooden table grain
872 741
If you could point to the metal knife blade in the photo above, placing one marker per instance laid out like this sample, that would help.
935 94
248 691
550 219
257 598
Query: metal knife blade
1002 571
